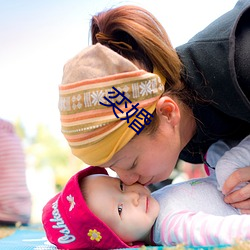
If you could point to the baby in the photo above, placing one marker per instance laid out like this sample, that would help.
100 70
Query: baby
96 211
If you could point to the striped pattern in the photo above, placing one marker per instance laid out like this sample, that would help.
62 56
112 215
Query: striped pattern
15 201
90 108
201 229
85 120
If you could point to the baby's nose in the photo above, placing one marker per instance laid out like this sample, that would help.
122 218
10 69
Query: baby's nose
133 197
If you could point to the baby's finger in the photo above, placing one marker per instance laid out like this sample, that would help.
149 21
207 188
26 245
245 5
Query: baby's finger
240 195
244 206
237 177
245 211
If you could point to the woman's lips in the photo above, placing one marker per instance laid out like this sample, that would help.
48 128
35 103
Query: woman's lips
148 183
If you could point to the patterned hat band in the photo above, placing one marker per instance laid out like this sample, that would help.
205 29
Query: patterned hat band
105 108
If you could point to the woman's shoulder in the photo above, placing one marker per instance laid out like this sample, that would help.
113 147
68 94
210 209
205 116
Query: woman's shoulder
209 65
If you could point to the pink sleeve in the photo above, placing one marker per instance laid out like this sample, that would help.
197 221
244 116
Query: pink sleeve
201 229
15 200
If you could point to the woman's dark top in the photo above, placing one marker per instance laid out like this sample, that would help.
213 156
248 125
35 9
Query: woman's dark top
217 67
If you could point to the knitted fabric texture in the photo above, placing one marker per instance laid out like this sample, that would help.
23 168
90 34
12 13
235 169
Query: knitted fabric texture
105 100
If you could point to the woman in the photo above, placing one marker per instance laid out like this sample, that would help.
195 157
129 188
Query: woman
206 95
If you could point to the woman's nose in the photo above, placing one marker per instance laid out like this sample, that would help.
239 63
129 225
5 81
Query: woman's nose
126 177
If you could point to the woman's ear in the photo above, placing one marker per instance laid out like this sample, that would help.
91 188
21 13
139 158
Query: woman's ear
168 109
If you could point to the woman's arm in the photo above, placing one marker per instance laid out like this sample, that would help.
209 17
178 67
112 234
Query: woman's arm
233 175
237 157
240 198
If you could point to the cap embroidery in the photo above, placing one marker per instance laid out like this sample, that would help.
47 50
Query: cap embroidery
195 182
72 203
61 226
94 235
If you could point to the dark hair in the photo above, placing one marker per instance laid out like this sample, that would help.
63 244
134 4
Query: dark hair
137 35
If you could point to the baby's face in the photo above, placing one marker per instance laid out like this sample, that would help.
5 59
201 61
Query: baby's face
130 211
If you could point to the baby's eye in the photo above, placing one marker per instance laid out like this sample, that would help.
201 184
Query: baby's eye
121 186
120 206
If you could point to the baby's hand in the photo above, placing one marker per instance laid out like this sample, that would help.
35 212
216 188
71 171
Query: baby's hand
240 198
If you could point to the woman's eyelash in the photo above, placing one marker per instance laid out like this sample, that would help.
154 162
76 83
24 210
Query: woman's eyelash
121 185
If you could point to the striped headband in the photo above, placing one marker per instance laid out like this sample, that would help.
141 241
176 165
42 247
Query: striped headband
105 100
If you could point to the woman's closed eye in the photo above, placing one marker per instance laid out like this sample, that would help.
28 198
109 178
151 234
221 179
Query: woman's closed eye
121 186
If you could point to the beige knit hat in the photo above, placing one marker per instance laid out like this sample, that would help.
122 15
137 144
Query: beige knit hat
104 101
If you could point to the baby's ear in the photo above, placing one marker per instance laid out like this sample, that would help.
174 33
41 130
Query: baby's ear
168 109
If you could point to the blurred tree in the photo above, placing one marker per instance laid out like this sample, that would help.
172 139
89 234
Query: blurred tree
20 130
45 150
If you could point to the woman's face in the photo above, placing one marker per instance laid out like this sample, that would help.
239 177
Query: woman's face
147 158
